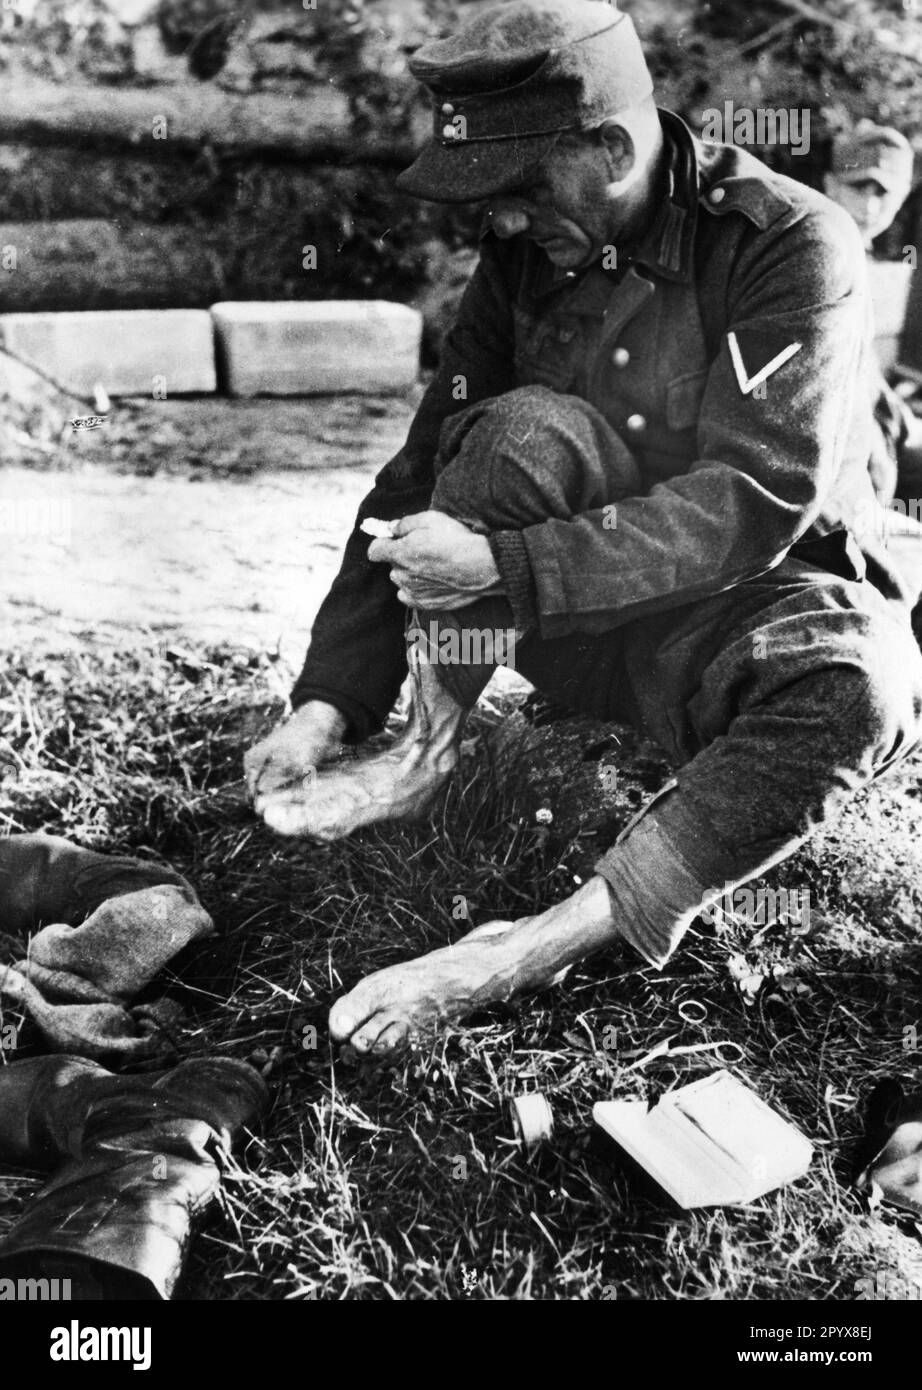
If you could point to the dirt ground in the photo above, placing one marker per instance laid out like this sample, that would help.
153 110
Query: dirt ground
209 519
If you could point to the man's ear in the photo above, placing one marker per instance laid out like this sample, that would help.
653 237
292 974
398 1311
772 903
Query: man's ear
619 143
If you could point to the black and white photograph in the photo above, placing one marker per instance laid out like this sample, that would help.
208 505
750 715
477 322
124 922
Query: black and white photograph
460 672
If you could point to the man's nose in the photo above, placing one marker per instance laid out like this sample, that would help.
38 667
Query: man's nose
509 221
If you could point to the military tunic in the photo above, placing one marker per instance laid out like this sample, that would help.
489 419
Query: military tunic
731 482
738 601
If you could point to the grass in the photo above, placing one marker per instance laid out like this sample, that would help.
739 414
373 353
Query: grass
404 1181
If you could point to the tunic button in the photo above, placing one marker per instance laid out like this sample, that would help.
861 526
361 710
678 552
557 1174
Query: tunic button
635 423
718 194
448 109
449 132
621 357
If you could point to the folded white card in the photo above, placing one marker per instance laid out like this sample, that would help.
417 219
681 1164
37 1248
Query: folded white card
713 1143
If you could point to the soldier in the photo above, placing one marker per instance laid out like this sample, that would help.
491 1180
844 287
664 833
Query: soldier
643 448
870 177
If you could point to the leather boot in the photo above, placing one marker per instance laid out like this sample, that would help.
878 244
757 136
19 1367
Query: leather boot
894 1173
136 1159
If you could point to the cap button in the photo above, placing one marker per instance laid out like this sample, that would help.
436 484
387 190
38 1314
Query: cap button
717 195
636 423
621 357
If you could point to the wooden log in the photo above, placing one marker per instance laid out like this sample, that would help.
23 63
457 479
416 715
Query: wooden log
238 194
93 264
162 118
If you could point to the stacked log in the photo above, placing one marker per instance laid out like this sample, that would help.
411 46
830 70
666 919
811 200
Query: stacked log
315 125
178 152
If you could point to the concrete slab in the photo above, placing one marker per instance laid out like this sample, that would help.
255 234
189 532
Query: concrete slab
318 347
138 352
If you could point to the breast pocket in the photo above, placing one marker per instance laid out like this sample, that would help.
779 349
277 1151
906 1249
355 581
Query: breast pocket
547 351
683 400
671 442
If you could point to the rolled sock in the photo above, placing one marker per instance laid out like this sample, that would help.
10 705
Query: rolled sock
105 926
104 1032
119 949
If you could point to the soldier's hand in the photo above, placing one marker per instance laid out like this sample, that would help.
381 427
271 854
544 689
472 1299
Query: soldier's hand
291 754
437 562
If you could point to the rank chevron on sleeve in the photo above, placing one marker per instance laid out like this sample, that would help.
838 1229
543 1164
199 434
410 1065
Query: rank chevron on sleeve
748 383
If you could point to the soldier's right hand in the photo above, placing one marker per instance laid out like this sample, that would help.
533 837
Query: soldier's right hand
290 756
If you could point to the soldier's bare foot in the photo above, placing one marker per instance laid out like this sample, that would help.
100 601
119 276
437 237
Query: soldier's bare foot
488 966
395 1006
398 784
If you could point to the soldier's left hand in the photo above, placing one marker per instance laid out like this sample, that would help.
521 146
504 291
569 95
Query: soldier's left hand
437 562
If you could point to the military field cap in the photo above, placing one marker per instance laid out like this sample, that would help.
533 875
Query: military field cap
873 152
510 81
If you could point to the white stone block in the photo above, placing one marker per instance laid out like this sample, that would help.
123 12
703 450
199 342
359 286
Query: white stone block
132 352
318 347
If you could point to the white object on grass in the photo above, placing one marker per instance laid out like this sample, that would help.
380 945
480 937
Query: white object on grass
532 1119
711 1144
